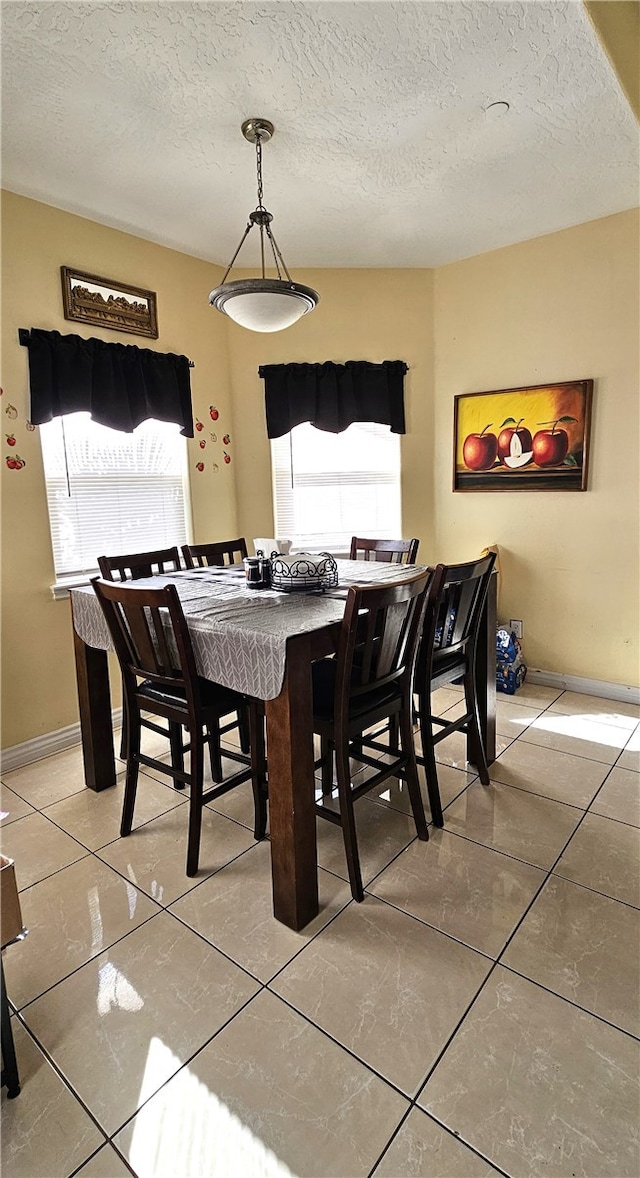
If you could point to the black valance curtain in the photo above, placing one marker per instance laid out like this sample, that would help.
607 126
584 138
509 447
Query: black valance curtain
120 385
333 396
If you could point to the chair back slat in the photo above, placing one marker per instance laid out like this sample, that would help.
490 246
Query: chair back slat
224 552
379 635
149 633
456 598
133 566
392 551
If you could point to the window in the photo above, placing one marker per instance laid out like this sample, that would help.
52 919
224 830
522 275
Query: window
111 492
330 487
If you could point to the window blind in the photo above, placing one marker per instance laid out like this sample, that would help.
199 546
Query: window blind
330 487
110 492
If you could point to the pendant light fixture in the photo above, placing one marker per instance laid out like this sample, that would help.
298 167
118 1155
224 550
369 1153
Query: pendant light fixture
262 304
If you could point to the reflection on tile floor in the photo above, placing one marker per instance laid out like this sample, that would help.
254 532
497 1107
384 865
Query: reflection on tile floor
477 1015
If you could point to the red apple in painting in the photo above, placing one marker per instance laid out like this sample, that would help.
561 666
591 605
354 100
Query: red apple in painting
11 441
202 444
200 466
199 426
213 413
226 439
550 446
227 458
506 434
11 462
480 450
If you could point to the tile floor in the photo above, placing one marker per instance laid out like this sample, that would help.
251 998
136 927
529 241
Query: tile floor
477 1015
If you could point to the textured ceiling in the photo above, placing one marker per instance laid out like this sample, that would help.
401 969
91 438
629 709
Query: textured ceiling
384 153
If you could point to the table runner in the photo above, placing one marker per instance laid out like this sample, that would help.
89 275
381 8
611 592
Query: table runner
239 635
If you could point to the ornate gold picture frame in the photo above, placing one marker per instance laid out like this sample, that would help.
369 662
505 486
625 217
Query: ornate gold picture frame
87 298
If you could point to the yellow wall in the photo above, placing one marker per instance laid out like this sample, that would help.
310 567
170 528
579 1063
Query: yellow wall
37 680
557 308
370 315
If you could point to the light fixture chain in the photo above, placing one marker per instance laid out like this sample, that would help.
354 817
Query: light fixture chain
259 169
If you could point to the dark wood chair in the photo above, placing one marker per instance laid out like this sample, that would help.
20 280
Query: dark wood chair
224 552
159 675
447 653
141 564
368 681
394 551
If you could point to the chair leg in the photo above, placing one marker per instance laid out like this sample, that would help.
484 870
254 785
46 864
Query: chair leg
195 800
326 755
177 751
428 759
394 732
215 755
133 766
475 733
258 770
411 771
347 819
244 728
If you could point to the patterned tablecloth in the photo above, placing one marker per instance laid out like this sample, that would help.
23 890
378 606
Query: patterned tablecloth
239 635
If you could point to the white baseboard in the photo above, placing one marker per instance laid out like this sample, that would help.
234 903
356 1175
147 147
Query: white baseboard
45 745
617 691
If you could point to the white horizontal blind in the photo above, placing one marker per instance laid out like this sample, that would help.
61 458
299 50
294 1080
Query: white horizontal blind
110 492
330 487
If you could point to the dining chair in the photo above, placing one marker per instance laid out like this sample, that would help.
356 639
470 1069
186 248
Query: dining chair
140 564
446 654
368 681
395 551
157 662
223 552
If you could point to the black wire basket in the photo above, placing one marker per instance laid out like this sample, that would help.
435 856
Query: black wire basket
306 573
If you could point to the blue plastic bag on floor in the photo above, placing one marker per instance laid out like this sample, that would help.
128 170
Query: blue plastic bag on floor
511 671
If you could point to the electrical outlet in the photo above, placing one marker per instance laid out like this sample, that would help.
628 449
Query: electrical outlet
516 625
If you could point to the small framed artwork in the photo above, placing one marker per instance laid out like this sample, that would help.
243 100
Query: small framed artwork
530 439
90 299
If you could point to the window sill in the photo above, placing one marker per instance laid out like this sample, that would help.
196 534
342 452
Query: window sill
61 588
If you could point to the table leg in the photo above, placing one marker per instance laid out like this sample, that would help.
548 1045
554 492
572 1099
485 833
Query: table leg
486 670
292 822
94 703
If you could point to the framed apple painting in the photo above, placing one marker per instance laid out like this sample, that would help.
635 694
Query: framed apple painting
530 439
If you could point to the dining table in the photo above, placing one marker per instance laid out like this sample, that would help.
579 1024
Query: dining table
260 642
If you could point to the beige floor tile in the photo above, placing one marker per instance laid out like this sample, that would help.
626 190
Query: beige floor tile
46 1133
561 776
12 806
422 1149
534 695
94 818
46 781
154 856
269 1096
512 719
604 855
577 735
538 1086
39 848
237 804
630 757
475 894
514 821
619 797
234 911
105 1164
394 793
453 751
125 1022
382 834
393 1006
594 707
584 947
71 917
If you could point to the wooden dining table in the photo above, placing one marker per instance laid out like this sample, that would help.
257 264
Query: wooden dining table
262 643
